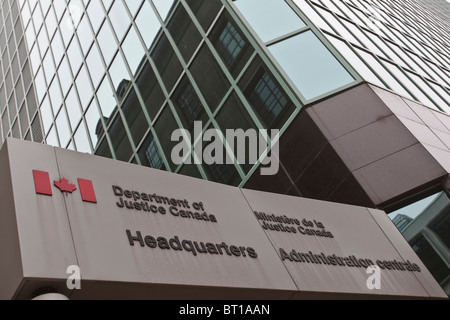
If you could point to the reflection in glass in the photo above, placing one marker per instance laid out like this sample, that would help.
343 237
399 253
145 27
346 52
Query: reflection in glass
65 76
149 154
82 140
356 62
163 7
119 19
166 123
73 108
184 32
119 138
133 5
85 34
221 173
209 77
150 90
52 138
118 71
233 115
270 18
95 65
103 149
430 258
84 86
95 12
106 98
133 50
231 45
191 171
55 94
188 105
167 62
310 65
148 24
266 96
46 112
134 116
92 120
62 124
441 226
107 42
49 67
205 11
75 57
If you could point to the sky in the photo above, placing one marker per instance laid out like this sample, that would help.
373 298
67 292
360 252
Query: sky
415 209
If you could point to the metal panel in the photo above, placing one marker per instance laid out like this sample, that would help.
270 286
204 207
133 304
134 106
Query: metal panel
103 244
355 236
11 274
46 245
138 239
398 241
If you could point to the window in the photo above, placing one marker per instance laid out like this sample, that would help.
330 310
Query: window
149 154
188 104
164 7
167 62
267 95
270 18
431 259
267 98
153 156
119 139
147 24
205 11
441 226
184 33
310 65
150 90
134 116
103 149
222 173
165 125
231 45
209 77
233 115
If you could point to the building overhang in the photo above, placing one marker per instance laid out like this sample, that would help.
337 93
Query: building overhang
93 228
365 146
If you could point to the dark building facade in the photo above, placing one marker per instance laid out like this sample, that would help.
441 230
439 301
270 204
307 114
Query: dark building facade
428 236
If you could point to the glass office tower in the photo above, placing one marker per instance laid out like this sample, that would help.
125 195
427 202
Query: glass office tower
429 237
399 45
115 78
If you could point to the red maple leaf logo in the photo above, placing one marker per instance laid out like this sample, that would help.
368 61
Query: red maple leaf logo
64 185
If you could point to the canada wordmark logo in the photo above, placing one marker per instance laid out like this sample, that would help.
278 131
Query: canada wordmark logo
43 186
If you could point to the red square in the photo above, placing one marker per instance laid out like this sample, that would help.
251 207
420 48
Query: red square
87 190
42 183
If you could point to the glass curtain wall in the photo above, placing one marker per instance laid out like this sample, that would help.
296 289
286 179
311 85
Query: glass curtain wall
115 78
403 46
